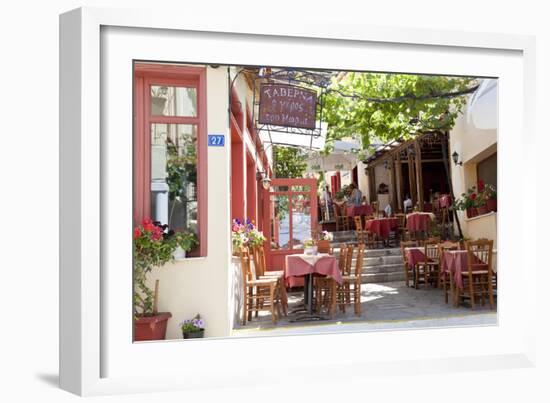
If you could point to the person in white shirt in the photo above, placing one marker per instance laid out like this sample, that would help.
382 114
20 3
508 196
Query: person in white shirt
387 210
407 204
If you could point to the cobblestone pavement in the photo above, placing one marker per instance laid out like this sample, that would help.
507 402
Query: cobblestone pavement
384 306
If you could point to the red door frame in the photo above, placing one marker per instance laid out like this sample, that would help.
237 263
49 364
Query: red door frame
144 76
275 258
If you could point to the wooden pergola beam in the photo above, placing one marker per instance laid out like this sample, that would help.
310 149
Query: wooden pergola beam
419 184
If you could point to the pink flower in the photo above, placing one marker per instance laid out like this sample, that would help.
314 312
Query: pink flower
137 233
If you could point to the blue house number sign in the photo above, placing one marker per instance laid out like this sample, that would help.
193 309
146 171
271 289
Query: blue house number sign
216 140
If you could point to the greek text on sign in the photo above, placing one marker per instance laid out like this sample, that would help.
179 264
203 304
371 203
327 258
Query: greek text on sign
287 105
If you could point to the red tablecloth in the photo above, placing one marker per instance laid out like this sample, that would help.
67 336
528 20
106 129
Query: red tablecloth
419 221
414 255
301 265
352 211
382 226
455 262
445 201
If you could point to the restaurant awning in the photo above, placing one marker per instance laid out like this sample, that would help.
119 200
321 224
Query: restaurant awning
296 138
342 158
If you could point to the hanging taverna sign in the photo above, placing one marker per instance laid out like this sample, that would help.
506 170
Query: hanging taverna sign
287 105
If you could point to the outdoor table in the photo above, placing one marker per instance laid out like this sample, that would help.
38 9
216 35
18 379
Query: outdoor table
382 226
419 221
455 262
414 255
353 211
307 265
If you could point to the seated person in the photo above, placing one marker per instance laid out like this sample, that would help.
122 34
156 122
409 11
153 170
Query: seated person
356 195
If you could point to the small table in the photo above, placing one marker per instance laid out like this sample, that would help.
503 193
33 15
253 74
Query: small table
419 221
353 211
382 226
414 255
308 265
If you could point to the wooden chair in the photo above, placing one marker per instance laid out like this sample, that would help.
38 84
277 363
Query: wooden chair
401 227
340 218
430 240
445 278
427 272
350 290
261 271
478 280
258 294
433 259
359 230
408 270
325 287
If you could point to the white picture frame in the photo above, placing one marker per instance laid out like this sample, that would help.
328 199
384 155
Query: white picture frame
83 306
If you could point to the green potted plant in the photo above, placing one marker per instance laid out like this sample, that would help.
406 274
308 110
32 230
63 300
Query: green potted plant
193 328
184 242
152 248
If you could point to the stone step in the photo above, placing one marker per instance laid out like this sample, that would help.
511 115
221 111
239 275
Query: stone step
382 277
386 268
382 260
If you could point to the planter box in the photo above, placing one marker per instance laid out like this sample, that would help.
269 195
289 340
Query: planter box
194 335
471 212
482 210
492 204
151 327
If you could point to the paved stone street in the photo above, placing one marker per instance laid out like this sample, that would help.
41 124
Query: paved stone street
384 306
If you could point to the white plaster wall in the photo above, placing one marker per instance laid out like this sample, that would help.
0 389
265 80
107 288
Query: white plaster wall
362 179
202 285
474 140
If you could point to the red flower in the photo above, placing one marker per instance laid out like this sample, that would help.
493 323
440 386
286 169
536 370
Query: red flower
480 185
157 234
137 233
473 196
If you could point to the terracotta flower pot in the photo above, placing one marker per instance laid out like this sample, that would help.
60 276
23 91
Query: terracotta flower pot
471 212
151 327
323 246
482 210
492 204
194 335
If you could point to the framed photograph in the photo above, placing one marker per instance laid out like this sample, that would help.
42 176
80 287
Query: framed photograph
240 197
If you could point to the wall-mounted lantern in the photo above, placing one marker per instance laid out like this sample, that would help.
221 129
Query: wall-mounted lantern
455 159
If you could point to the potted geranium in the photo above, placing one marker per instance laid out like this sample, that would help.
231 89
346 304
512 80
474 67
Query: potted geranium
470 202
193 328
481 200
152 248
